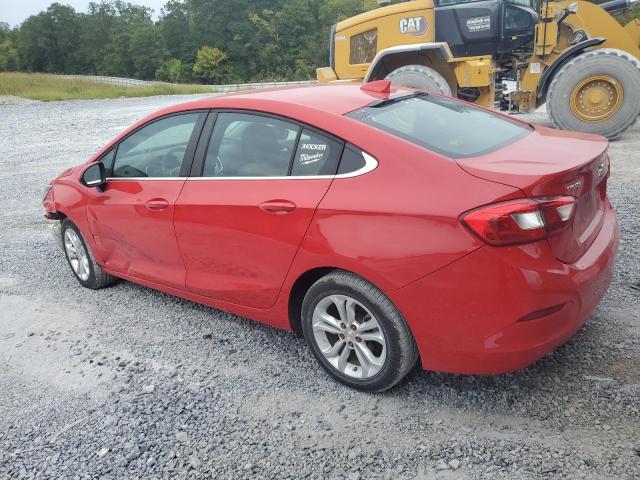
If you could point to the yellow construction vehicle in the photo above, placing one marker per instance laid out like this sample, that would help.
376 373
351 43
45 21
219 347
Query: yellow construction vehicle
572 55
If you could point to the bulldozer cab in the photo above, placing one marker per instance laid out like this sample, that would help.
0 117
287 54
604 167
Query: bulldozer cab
485 27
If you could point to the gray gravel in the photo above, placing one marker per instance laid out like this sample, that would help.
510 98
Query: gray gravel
131 383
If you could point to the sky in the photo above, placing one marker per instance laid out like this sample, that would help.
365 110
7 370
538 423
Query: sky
15 12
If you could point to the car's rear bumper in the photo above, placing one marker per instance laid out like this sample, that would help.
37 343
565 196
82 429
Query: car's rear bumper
474 316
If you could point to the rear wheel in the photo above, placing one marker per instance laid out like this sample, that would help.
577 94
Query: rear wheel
421 78
356 333
81 260
596 92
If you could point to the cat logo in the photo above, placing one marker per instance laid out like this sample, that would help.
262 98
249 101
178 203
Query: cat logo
413 25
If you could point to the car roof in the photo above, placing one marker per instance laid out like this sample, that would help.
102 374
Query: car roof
335 98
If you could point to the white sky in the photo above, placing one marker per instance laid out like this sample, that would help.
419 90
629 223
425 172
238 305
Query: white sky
15 12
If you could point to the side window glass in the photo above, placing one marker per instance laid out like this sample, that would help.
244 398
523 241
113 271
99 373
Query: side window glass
156 150
107 160
316 155
246 145
352 160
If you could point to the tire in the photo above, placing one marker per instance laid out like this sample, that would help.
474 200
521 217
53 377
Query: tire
394 348
89 273
618 64
421 78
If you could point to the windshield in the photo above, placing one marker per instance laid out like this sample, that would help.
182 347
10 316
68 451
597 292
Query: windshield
443 125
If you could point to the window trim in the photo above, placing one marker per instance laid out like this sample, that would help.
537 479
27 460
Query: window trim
197 169
370 164
189 153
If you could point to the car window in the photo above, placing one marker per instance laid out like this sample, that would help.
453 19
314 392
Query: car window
156 150
107 160
351 161
247 145
443 125
316 155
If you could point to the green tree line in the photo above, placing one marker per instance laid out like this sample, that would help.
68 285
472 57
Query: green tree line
208 41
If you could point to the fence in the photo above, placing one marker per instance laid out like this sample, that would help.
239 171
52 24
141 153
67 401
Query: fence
132 82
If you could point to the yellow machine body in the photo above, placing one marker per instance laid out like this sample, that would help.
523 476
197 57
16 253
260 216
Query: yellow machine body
360 39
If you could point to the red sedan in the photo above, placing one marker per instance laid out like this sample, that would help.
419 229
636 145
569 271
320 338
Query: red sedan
385 225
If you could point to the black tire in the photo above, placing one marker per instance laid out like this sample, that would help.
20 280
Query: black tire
625 68
421 78
401 349
97 277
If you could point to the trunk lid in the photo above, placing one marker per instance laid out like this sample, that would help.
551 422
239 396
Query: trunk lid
551 162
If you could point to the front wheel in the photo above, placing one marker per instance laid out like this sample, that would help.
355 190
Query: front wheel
356 333
81 260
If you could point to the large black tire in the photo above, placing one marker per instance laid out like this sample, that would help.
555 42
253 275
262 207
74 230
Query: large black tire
421 78
97 277
625 68
401 350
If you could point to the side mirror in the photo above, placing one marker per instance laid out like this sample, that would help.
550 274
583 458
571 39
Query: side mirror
94 176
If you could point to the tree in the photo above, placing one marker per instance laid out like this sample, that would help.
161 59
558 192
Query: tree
172 70
212 65
256 40
47 42
631 14
146 51
8 57
4 31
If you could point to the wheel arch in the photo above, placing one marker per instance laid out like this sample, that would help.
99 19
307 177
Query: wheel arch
434 55
547 76
299 289
303 283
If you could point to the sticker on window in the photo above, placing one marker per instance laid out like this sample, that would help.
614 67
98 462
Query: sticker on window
479 24
313 146
306 159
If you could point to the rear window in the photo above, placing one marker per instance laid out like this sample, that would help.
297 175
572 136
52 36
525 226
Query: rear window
445 126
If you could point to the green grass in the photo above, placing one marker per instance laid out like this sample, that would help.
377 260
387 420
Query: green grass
37 86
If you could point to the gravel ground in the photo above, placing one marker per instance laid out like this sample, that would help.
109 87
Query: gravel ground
131 383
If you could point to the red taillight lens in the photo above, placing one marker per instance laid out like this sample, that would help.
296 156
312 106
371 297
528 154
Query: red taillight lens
520 221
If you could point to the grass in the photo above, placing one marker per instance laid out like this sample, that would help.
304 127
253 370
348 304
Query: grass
38 86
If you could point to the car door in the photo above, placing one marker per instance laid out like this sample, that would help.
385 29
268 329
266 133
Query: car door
132 219
240 218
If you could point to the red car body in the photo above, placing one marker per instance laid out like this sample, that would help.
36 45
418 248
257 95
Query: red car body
471 306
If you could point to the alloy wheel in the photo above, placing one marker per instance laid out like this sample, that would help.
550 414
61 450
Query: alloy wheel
77 254
349 336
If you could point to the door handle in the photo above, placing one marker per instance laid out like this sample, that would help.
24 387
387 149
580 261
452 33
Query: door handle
157 204
278 207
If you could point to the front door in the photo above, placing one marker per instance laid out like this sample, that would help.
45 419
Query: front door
240 223
132 219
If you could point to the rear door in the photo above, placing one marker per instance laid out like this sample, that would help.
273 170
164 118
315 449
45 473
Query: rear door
241 216
132 219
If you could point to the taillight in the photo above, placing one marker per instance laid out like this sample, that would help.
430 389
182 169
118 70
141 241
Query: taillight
520 221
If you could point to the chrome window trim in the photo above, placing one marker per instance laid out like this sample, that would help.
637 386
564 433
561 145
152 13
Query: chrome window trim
146 178
370 164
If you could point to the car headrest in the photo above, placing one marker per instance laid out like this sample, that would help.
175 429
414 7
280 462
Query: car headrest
261 139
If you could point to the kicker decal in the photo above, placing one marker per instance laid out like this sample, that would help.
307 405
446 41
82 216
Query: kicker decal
313 146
